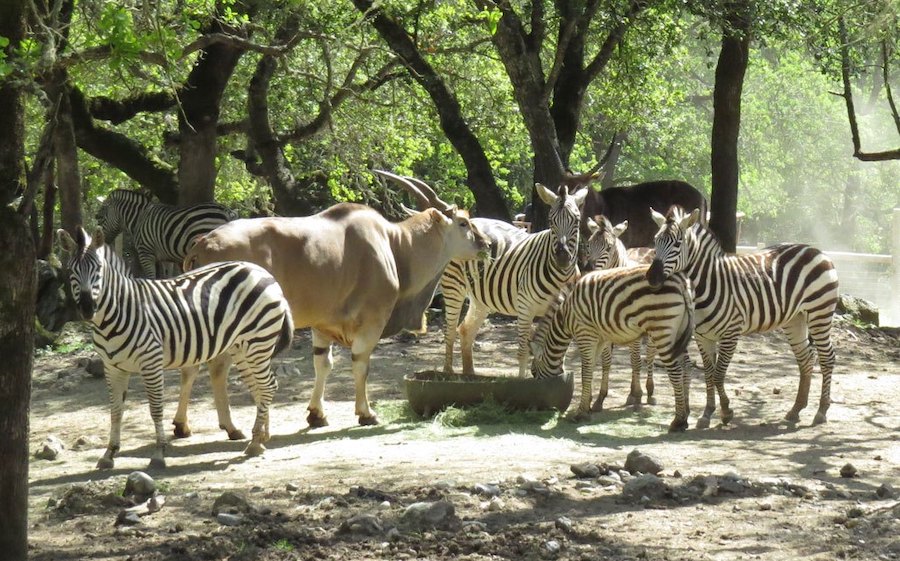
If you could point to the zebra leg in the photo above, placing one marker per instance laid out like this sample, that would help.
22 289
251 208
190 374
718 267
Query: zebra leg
117 383
147 259
473 321
361 351
708 355
820 331
798 336
524 334
153 386
634 353
182 428
651 356
674 369
587 350
322 362
727 347
605 365
453 289
218 379
257 375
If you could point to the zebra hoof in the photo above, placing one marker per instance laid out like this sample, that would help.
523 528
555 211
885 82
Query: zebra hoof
678 425
703 423
727 416
182 430
254 449
633 399
157 463
368 420
819 418
316 421
792 417
579 416
105 463
236 434
651 400
597 407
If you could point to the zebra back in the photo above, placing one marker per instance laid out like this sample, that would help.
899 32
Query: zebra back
120 210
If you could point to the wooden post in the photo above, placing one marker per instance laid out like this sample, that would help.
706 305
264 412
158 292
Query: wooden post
894 314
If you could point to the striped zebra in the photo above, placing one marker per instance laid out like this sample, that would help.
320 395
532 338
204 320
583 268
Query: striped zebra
618 306
219 313
604 250
791 286
525 273
159 232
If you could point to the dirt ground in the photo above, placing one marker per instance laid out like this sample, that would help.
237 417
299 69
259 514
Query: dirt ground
759 488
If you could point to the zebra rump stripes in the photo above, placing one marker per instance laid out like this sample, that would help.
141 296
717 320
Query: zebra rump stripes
159 232
618 306
791 286
219 313
524 275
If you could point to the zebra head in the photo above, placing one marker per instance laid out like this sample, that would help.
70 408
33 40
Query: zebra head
563 218
86 266
551 339
671 250
118 210
600 248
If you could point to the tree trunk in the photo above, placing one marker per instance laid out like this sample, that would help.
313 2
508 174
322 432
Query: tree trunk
730 69
17 303
47 232
67 174
488 198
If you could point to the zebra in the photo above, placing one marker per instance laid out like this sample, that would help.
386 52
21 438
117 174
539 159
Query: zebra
219 313
791 286
524 274
159 232
604 250
618 306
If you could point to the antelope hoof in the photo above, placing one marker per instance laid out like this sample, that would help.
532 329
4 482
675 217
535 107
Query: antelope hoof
597 407
182 430
157 463
793 416
727 416
633 399
651 400
106 463
254 449
678 425
234 434
316 420
580 416
368 420
703 423
819 418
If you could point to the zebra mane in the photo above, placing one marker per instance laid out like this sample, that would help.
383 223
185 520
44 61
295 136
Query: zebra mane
543 327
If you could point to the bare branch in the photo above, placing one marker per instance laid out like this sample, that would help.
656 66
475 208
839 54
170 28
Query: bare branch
885 55
42 161
613 39
103 52
241 43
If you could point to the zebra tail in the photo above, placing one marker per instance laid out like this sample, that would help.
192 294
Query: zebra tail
287 333
686 329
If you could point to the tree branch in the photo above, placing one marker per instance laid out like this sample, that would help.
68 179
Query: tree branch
241 43
118 111
43 159
885 55
613 39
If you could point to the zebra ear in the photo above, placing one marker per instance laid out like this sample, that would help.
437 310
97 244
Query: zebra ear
580 197
620 228
657 217
546 195
593 227
65 240
690 219
99 239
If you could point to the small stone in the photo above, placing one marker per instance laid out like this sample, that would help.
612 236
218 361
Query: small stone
83 442
776 391
486 489
551 546
608 480
128 519
848 470
640 462
139 484
428 513
384 505
229 501
292 487
473 526
582 484
95 368
585 471
677 474
765 506
496 504
854 512
51 448
227 519
393 534
564 523
647 485
885 491
368 524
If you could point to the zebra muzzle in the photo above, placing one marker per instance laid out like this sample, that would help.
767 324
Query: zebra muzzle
655 274
86 306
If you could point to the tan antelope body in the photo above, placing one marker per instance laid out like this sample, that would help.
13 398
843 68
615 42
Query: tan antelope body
350 274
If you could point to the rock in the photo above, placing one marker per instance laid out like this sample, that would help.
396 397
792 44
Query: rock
731 483
854 512
231 502
486 489
473 526
639 462
227 519
496 504
95 368
84 442
585 471
848 470
857 308
584 485
885 491
551 546
139 484
607 480
428 513
384 505
292 488
128 519
51 448
647 485
565 524
367 524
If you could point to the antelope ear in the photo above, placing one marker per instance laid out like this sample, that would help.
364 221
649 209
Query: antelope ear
437 216
657 217
691 219
451 211
620 228
65 240
546 195
99 240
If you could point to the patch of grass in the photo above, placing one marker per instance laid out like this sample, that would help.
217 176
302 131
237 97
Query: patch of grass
489 412
395 411
283 545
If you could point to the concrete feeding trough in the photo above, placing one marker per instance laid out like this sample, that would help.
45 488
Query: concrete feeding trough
430 391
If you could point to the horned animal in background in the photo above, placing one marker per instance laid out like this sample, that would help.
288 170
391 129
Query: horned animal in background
350 274
524 275
618 306
158 232
788 286
216 314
